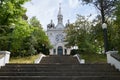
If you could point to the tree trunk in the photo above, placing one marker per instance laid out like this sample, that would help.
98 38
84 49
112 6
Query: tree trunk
102 11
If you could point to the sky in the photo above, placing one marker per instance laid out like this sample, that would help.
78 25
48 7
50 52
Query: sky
47 10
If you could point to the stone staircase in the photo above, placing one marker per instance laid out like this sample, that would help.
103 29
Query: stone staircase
59 60
60 68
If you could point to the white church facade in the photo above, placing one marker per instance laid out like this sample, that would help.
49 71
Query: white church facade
57 36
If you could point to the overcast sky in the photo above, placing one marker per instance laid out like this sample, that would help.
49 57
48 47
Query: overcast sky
45 10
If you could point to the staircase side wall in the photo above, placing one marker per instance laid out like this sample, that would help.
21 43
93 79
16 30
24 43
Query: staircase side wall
5 57
113 61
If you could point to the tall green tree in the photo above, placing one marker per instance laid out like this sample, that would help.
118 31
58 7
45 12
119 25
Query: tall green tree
27 38
106 15
41 41
79 33
21 31
11 12
105 7
116 25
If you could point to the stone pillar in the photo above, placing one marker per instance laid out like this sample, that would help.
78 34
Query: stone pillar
68 51
51 51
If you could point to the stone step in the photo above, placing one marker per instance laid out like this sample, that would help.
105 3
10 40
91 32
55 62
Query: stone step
57 70
59 59
58 65
60 78
59 74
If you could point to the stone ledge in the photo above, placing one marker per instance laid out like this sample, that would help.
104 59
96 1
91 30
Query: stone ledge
4 52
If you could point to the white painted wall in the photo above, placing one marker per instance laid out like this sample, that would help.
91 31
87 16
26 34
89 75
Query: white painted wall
2 61
52 33
5 58
111 60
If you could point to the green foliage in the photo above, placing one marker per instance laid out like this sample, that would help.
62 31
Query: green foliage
105 7
116 26
80 34
94 58
89 36
11 10
27 38
42 43
34 22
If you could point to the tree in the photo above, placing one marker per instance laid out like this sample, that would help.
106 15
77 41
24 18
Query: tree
42 43
116 25
21 32
34 22
27 38
106 7
79 33
11 12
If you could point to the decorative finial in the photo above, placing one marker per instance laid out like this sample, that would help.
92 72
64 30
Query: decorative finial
51 21
68 21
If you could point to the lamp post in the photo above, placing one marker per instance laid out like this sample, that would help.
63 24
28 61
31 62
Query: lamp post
12 26
77 31
104 27
43 45
76 48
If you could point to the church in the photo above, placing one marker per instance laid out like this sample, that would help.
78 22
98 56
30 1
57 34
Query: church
57 36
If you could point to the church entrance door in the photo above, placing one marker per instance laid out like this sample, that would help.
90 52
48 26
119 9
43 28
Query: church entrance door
60 50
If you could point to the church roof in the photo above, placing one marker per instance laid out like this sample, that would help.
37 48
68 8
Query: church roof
60 19
59 26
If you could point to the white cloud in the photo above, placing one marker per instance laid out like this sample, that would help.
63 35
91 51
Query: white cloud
45 10
73 3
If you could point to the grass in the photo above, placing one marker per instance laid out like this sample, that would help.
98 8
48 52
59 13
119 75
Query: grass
25 60
94 58
89 58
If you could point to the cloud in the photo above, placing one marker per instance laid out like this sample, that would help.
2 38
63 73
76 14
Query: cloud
45 10
73 3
